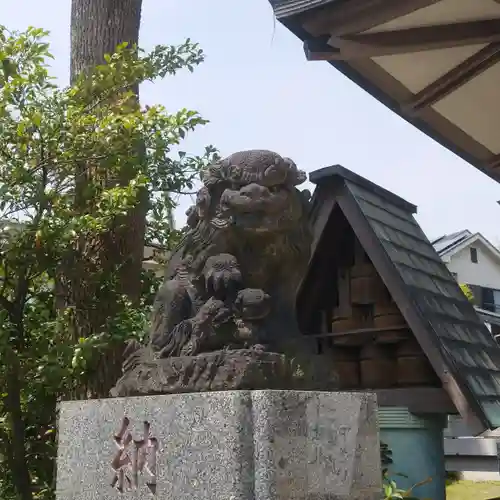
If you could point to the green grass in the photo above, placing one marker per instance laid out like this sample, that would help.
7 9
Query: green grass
470 490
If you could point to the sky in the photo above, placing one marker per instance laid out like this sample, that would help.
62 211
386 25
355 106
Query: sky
259 92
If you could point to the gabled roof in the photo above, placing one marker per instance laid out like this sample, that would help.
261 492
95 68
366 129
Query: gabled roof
445 243
435 63
458 345
449 245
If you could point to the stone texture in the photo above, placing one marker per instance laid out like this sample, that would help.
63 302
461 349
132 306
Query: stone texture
232 280
248 445
224 370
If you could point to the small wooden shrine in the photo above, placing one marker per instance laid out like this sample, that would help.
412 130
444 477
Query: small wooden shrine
371 342
379 300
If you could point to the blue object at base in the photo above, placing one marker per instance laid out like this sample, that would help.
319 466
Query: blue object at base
417 449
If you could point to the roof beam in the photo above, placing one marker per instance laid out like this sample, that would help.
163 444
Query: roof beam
356 16
417 399
409 40
494 162
454 79
318 49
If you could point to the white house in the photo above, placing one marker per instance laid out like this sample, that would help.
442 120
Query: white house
474 261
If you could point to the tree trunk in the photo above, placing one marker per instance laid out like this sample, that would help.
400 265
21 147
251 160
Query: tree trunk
97 27
18 459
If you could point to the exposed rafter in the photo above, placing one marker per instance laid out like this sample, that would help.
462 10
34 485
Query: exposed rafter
494 162
356 16
317 49
455 78
356 35
413 40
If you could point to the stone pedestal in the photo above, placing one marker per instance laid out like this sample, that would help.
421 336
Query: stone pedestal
248 445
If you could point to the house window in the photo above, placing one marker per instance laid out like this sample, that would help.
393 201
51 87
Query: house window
490 299
473 255
487 299
496 300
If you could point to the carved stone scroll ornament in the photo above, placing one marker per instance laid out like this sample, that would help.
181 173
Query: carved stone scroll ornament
230 287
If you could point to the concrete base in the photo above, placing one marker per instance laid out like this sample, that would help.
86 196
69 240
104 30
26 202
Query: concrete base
249 445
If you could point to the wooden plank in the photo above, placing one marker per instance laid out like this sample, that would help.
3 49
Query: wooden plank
327 204
493 162
363 335
344 292
417 399
308 301
356 16
405 41
455 78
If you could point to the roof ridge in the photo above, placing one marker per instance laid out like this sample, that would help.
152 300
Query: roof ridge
338 171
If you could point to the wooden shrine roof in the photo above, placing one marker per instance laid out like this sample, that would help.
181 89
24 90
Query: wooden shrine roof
434 62
459 347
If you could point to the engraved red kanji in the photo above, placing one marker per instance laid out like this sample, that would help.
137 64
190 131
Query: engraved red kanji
134 457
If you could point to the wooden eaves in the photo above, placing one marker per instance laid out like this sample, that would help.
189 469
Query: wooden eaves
376 42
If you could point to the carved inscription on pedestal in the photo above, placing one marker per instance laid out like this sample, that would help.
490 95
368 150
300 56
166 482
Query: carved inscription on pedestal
134 458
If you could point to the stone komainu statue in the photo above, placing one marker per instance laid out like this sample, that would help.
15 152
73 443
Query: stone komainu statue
230 287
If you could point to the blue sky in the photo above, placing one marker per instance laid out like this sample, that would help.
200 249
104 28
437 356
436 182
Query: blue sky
258 91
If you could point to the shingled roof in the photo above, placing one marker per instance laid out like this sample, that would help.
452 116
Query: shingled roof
461 350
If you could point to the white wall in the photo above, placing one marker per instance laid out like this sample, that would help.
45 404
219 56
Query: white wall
485 273
475 457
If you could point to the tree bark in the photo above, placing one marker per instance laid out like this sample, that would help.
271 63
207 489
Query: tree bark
18 459
97 27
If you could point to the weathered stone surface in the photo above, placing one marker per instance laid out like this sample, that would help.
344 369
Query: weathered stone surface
232 281
248 445
224 370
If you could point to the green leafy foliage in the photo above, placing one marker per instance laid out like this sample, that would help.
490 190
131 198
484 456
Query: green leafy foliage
393 492
53 140
467 292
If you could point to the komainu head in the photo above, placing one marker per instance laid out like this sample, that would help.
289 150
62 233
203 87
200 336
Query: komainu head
253 191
